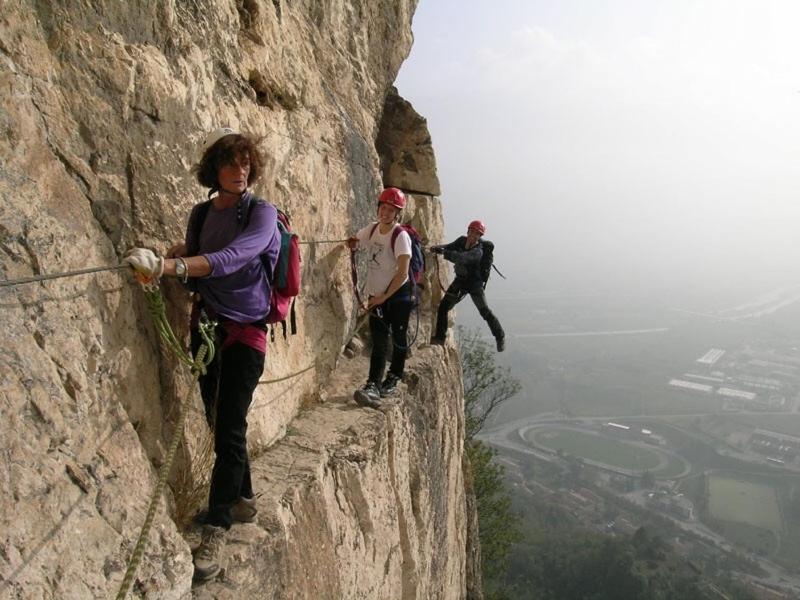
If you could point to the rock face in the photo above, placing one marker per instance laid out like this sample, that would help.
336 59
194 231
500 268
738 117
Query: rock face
103 107
360 503
407 158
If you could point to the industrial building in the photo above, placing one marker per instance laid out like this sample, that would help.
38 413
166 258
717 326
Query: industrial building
776 445
711 357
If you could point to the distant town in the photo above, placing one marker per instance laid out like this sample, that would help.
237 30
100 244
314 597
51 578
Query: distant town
718 479
751 379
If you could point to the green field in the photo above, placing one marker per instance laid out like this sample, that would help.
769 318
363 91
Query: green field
755 539
598 448
744 502
675 467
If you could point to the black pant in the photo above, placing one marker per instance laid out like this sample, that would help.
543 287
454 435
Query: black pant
391 316
227 391
457 290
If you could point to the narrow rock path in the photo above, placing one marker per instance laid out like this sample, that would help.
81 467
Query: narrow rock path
344 499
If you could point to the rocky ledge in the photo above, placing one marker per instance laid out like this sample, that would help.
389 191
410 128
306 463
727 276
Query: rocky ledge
356 502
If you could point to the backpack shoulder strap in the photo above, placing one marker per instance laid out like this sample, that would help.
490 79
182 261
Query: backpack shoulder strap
202 213
284 221
251 202
398 229
199 219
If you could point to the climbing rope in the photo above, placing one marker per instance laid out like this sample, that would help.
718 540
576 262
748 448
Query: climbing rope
498 272
354 276
35 278
158 311
48 277
323 242
290 376
198 365
439 273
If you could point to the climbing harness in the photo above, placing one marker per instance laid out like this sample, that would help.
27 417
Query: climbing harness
198 365
376 310
376 313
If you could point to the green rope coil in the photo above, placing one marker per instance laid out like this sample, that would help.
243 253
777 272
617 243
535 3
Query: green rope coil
158 312
198 366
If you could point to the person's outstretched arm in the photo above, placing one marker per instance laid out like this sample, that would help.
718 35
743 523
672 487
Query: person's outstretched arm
464 257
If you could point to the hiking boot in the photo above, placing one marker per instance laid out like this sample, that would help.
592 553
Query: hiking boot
369 395
501 344
437 341
244 511
389 385
207 555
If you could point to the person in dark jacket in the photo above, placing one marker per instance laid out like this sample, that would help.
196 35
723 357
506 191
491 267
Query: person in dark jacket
466 253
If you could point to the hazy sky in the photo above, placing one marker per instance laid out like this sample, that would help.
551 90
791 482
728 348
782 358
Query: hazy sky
648 143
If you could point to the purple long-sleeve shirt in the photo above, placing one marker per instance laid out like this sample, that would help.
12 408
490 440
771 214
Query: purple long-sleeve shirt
237 287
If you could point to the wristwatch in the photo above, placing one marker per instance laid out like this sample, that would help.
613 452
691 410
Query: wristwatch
181 271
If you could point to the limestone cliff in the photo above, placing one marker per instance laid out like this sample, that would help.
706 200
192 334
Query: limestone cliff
102 109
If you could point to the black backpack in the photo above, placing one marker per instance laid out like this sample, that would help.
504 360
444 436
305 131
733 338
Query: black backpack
487 260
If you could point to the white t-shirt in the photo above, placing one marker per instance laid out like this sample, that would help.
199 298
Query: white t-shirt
381 262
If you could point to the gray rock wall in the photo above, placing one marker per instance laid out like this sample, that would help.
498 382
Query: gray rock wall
102 110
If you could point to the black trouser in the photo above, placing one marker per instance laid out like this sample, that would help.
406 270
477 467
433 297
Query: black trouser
391 316
227 391
457 290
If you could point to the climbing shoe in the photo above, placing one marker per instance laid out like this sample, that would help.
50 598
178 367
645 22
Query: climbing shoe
437 341
389 385
244 511
501 344
369 395
207 555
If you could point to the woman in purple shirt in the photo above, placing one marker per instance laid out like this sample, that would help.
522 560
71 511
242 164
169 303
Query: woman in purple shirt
221 260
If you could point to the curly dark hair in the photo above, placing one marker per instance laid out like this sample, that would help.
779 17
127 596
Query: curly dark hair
226 151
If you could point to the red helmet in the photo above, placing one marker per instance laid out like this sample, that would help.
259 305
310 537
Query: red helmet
393 196
477 226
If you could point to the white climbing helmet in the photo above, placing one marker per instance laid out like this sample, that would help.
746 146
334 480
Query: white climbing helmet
216 135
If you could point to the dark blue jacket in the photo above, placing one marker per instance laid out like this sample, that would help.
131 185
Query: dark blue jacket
466 263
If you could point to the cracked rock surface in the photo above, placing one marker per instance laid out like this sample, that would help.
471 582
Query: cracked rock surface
356 502
102 111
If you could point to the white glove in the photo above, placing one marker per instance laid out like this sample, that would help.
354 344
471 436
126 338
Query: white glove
145 262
